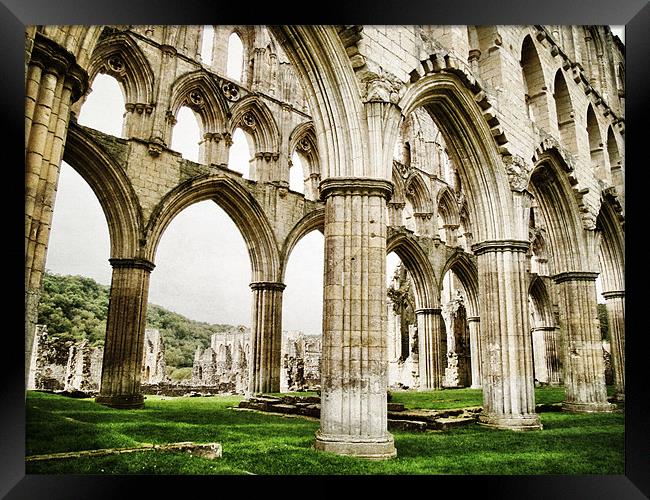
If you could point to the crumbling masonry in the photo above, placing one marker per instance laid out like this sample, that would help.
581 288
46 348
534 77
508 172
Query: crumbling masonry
496 152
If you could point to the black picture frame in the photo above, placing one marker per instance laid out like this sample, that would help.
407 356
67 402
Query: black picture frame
634 14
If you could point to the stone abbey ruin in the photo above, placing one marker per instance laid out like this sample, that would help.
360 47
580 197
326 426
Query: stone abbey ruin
490 159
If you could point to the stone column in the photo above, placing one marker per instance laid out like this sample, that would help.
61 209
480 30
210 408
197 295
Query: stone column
266 337
53 82
125 327
615 302
549 364
506 350
353 363
431 358
474 325
451 234
584 367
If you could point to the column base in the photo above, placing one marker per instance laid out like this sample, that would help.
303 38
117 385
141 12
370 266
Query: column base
529 422
476 386
588 407
373 449
123 402
619 396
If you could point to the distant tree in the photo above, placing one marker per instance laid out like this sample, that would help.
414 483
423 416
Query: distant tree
75 308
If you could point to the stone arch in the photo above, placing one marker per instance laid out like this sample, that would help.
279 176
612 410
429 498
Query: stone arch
418 193
615 162
254 117
120 57
565 113
466 271
240 206
302 141
310 222
541 300
471 145
596 153
324 69
448 206
113 189
612 245
199 92
534 84
561 213
415 259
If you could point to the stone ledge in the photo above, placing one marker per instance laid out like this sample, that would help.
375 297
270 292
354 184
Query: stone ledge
210 451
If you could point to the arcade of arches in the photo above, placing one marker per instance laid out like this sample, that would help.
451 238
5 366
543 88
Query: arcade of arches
490 159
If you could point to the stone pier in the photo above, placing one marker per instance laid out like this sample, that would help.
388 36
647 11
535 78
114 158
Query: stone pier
354 359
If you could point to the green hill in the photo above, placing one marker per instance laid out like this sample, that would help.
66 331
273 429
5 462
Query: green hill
75 308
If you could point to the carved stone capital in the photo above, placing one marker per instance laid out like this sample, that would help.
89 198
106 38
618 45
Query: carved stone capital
518 171
56 60
134 263
355 186
428 310
267 285
614 294
500 246
575 276
381 87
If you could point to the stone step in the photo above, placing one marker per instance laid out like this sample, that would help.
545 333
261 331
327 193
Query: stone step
407 425
395 407
445 424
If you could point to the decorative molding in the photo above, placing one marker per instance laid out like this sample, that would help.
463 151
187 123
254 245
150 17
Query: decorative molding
134 263
355 186
575 276
518 171
267 285
500 246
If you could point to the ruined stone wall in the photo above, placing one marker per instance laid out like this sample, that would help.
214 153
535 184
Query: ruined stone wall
154 368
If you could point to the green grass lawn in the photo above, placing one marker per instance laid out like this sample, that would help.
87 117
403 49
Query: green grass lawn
260 443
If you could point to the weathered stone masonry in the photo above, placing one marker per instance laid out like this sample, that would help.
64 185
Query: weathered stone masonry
496 152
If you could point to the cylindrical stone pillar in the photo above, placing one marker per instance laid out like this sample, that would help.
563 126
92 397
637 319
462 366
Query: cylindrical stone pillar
53 82
506 347
266 337
354 419
584 366
125 326
474 325
615 303
431 359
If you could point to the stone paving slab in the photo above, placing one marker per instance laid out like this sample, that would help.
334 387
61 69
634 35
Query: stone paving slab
206 450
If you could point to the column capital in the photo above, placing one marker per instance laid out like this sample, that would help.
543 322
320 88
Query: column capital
428 310
355 186
614 294
267 285
55 59
575 276
500 246
544 329
133 263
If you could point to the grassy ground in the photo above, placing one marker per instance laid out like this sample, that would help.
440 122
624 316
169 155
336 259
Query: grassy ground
259 443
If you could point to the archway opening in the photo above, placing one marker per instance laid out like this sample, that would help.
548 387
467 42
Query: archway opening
207 45
297 174
200 288
103 109
235 61
402 341
239 155
302 315
454 305
74 299
186 134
